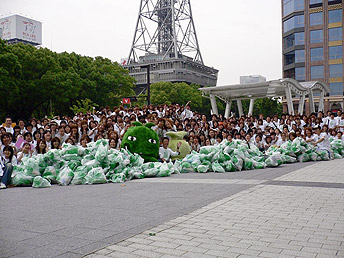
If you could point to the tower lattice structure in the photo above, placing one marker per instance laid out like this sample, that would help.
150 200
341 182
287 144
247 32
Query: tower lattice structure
165 39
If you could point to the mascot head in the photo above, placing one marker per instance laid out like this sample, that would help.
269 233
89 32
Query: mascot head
143 140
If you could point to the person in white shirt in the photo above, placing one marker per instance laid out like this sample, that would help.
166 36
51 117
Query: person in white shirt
332 122
281 139
310 137
340 124
166 153
26 152
6 166
187 113
8 125
322 141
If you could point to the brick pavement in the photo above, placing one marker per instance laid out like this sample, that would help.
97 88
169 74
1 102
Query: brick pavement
262 221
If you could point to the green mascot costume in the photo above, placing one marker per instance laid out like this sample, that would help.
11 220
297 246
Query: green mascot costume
143 140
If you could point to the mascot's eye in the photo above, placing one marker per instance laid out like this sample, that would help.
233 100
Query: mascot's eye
152 141
131 138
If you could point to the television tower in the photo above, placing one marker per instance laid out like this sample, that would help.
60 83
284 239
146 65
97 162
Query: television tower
165 45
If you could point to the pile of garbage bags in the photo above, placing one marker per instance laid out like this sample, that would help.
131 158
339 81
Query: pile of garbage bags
238 155
97 164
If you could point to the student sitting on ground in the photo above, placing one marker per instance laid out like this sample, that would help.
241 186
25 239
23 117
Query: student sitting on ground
166 153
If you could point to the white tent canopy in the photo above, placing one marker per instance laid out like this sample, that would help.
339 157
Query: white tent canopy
275 88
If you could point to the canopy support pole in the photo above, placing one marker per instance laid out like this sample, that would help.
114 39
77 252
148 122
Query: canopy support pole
250 110
213 105
240 107
228 108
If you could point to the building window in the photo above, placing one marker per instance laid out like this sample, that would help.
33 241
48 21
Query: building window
334 16
289 41
316 36
294 22
289 58
299 38
299 56
315 1
336 52
317 72
300 73
316 19
336 70
335 34
317 54
336 88
290 6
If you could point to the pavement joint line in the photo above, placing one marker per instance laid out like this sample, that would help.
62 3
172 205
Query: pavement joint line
304 184
201 181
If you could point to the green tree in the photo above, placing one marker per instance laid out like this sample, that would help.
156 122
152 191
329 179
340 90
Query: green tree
180 93
36 81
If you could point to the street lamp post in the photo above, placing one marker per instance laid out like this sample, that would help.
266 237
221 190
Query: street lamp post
148 81
148 84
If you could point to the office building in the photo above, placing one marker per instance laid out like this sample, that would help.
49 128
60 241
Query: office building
313 45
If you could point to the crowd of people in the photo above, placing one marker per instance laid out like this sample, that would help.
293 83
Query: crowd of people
38 136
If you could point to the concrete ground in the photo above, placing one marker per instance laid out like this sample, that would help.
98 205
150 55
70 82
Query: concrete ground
292 210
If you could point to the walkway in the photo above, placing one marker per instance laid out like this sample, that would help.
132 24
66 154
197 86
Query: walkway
299 214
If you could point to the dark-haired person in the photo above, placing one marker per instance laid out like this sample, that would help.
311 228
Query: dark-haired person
56 143
166 153
84 141
6 140
8 125
21 124
41 147
322 141
47 138
6 166
25 152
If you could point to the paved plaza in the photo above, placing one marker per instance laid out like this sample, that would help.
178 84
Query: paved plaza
294 210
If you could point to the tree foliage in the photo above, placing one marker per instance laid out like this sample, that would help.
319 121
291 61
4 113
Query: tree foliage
35 80
84 106
179 93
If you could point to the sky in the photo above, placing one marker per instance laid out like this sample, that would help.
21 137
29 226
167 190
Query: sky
236 37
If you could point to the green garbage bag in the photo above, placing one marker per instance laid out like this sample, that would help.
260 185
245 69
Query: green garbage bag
96 176
337 156
177 167
151 172
202 169
323 154
237 162
216 167
288 159
72 157
164 170
303 157
229 166
118 178
65 176
274 160
206 149
102 154
248 164
50 173
21 179
31 167
79 176
259 165
186 167
40 182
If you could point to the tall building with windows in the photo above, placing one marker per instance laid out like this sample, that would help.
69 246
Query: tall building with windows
313 44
